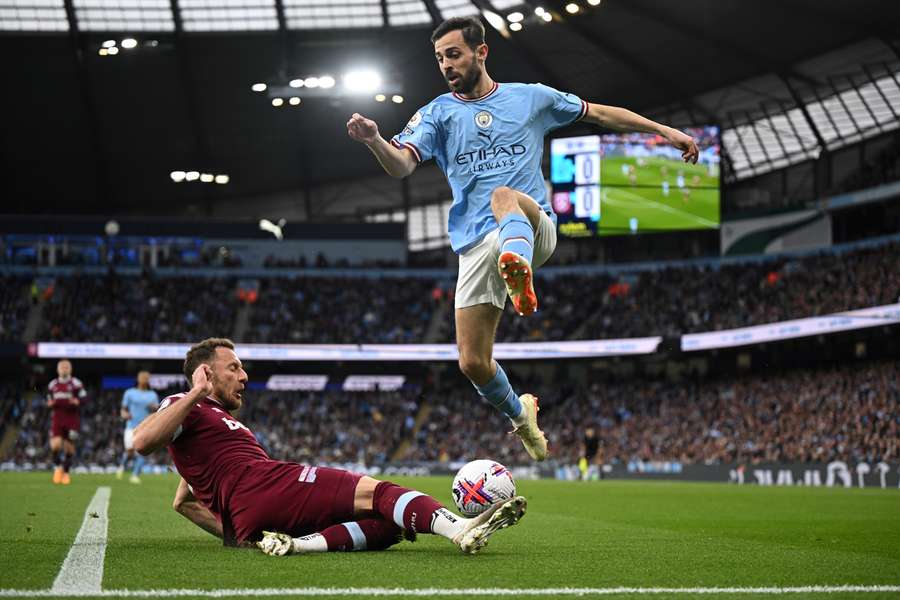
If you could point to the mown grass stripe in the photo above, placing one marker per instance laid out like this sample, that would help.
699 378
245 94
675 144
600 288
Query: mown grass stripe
416 592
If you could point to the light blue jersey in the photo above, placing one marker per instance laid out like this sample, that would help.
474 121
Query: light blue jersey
138 403
482 144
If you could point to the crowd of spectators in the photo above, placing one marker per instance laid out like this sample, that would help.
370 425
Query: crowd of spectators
311 427
15 305
322 262
333 427
675 301
848 413
342 310
669 301
845 413
114 308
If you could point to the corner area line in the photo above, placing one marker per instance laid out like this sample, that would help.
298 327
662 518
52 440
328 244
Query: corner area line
82 571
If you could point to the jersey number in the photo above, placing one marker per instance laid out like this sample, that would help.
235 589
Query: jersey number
234 425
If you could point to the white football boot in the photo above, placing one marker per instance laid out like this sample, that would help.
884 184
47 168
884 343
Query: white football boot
532 437
276 544
477 530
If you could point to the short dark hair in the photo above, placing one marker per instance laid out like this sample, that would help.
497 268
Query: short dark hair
471 27
203 352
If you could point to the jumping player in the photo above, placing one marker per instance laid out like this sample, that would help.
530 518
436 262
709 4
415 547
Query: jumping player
488 139
137 403
65 394
232 489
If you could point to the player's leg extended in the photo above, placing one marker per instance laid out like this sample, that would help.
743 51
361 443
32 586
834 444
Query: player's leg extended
138 466
416 512
69 448
55 452
138 459
476 327
127 454
362 534
391 510
367 530
518 216
475 330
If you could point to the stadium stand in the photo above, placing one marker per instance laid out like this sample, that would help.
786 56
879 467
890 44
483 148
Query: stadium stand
15 304
330 310
113 308
808 415
579 304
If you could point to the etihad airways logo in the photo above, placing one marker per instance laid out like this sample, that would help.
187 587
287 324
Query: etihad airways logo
490 154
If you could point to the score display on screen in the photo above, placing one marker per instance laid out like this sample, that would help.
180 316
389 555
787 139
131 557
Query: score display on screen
617 184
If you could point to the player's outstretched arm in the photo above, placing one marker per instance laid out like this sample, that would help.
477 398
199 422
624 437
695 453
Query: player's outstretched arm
158 429
187 505
622 119
395 161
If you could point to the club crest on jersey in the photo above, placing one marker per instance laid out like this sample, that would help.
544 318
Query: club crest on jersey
414 120
484 119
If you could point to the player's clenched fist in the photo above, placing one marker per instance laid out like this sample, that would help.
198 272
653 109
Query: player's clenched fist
362 129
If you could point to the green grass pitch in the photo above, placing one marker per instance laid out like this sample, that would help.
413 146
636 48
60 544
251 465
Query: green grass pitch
696 207
592 534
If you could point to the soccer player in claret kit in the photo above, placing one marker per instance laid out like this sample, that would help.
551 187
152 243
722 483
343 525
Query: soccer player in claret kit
65 395
232 489
488 139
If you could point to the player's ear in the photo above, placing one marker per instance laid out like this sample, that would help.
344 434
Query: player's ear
481 52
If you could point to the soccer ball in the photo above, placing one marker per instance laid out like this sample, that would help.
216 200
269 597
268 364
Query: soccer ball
481 483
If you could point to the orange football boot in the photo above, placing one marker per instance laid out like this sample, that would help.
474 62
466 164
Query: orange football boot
517 275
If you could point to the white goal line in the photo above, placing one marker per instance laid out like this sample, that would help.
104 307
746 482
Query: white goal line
415 592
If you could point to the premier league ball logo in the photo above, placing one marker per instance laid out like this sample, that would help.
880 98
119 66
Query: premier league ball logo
484 119
481 483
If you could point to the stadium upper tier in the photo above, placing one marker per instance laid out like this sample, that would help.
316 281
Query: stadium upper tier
575 303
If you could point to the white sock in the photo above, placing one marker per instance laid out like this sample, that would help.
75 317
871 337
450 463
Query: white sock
521 419
310 543
447 524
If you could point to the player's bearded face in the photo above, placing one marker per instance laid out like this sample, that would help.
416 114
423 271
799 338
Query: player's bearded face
229 379
460 65
467 79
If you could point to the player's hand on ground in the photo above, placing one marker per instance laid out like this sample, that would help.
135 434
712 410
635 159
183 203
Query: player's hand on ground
362 129
201 379
685 143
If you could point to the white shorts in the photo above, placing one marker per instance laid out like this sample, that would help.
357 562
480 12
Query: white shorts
479 281
129 439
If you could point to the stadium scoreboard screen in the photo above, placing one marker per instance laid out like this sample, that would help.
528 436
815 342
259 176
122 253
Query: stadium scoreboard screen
630 183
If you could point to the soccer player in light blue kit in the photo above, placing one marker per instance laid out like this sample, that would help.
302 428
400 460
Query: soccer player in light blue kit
137 403
488 139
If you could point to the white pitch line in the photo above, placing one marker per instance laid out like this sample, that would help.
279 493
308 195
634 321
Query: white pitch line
375 591
81 573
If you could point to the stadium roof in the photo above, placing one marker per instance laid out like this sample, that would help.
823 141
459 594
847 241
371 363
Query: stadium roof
94 125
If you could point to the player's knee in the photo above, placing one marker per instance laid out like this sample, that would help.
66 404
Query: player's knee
476 368
503 199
